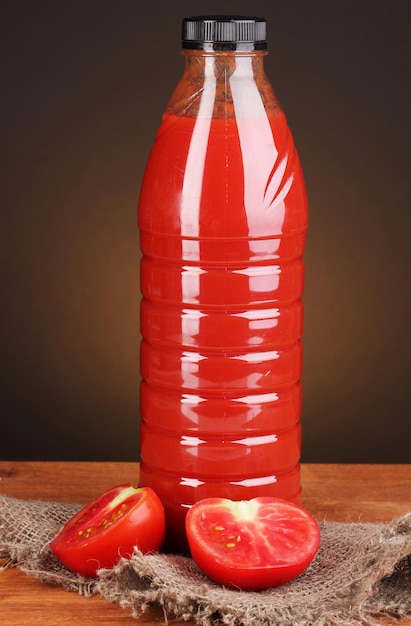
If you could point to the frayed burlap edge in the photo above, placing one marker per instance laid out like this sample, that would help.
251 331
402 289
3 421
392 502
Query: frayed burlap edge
26 529
361 573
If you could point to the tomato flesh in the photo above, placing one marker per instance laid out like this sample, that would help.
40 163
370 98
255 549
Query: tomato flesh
109 527
251 544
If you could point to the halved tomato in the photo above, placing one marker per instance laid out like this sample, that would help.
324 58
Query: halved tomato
251 544
109 527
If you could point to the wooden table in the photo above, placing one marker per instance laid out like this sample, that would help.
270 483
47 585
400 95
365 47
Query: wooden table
332 492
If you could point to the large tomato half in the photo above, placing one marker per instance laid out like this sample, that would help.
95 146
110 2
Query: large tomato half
251 544
109 527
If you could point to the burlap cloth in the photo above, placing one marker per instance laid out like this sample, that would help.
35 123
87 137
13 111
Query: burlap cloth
361 572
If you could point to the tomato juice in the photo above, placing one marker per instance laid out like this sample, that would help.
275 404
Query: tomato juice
222 218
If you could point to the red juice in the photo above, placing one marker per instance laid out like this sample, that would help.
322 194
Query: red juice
222 217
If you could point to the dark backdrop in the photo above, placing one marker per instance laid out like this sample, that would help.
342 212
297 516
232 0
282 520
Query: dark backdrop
83 86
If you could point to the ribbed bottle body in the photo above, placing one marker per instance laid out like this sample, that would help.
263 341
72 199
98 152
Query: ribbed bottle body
222 217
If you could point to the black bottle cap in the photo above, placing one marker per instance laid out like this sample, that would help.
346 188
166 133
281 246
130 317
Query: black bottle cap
224 32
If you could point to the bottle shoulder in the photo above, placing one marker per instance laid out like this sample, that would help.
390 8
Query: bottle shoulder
219 78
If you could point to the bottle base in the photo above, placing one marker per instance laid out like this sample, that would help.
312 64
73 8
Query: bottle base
177 497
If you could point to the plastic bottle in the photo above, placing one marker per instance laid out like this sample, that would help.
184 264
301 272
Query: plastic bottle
222 218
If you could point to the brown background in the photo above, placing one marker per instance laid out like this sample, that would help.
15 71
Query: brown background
83 86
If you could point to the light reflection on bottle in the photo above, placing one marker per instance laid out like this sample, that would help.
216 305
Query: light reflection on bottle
191 482
187 440
259 481
260 440
254 357
265 186
196 157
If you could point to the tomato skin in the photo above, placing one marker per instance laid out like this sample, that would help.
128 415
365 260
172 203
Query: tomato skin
109 527
252 544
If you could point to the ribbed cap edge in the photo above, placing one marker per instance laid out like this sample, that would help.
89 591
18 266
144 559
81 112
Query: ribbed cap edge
224 30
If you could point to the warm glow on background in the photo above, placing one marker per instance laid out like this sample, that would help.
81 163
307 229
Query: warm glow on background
83 89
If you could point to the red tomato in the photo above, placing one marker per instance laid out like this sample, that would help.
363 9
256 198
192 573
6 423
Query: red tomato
251 544
109 527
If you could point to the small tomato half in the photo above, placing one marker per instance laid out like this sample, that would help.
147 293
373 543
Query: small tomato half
109 527
251 544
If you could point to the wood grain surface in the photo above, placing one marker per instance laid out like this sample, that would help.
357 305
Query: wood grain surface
332 492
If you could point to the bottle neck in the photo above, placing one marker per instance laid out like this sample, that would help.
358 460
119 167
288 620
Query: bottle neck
214 80
224 58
